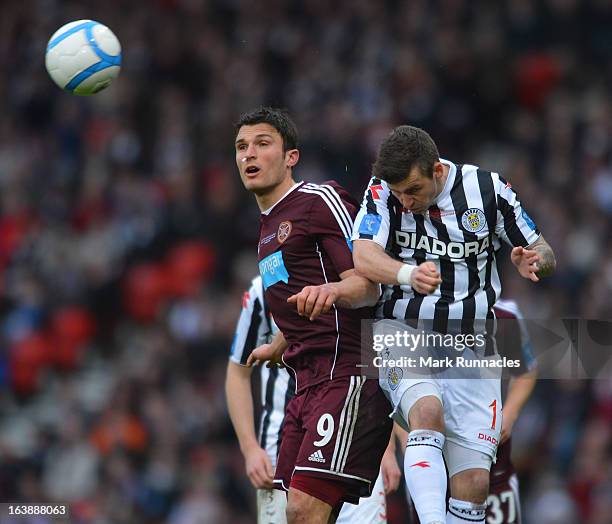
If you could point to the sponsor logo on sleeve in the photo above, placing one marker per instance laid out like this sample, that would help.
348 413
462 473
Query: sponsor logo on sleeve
370 224
374 190
528 220
272 270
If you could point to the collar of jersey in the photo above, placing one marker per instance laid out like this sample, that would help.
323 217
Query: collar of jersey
292 188
450 180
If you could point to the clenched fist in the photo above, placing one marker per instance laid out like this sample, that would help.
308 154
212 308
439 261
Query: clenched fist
425 278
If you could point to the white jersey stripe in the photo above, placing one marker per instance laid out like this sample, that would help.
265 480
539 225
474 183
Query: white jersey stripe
340 213
347 430
349 440
335 197
331 372
341 423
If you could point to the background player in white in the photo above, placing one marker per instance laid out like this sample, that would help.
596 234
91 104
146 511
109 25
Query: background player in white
255 328
449 220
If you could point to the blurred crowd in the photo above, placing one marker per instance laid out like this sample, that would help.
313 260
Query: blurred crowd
126 238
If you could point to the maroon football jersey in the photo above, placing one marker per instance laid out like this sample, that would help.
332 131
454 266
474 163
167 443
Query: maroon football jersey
305 241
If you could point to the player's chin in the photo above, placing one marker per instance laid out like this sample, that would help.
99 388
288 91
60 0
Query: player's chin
257 187
251 184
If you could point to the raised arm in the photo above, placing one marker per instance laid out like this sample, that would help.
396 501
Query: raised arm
534 261
531 254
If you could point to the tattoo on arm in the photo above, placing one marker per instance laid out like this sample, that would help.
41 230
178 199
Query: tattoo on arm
547 261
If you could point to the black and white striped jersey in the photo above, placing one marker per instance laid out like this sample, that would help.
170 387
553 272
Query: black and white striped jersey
255 327
460 233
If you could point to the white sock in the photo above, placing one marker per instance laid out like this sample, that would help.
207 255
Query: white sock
426 474
462 512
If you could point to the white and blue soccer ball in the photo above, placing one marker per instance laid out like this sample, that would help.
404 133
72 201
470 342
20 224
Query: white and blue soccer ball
83 57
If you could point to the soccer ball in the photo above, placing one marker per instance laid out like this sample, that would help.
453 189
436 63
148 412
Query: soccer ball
83 57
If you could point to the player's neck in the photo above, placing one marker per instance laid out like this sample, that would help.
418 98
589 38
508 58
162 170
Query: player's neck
267 200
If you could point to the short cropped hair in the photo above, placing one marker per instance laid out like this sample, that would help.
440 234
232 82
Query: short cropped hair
405 148
279 119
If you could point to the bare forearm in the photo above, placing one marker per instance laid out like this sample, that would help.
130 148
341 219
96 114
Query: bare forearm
372 261
356 291
279 343
519 390
547 262
240 405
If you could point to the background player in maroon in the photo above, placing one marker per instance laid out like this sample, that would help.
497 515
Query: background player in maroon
336 428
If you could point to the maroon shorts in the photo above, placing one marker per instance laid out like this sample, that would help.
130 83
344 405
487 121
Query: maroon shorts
336 430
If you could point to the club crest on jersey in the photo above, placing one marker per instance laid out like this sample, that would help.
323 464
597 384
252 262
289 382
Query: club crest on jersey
284 230
394 375
473 220
272 270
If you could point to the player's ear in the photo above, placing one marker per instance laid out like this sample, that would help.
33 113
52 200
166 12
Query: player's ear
291 157
438 169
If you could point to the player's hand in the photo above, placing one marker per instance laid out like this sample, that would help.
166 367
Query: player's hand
266 353
314 300
425 278
508 420
259 468
526 262
390 472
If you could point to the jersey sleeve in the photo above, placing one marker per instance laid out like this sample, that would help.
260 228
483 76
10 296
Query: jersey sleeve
331 223
514 341
514 226
373 219
253 327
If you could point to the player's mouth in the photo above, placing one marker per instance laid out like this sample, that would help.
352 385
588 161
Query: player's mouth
251 171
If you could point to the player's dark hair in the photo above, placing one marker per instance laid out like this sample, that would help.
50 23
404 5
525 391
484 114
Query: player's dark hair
279 119
405 148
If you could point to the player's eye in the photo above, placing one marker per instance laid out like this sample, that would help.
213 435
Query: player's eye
241 147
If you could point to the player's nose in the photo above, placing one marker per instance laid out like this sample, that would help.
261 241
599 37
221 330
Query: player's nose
407 202
251 151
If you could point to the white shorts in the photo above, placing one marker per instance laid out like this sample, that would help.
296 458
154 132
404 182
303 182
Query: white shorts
271 506
472 406
370 510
